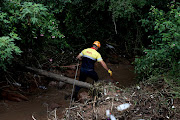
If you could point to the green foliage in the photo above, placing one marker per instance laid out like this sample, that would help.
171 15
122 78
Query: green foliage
8 49
4 22
3 18
40 24
32 22
125 8
35 12
83 23
37 18
55 6
163 53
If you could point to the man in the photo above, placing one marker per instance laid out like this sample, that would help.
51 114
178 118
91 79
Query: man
89 56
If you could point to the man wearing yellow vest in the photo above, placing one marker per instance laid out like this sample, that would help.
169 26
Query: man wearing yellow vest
89 56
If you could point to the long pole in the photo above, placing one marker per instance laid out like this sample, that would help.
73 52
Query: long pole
73 89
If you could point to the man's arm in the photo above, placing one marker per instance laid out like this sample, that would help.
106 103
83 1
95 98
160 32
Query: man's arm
105 67
79 57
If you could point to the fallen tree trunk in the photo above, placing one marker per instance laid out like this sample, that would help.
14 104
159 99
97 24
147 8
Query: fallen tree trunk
61 78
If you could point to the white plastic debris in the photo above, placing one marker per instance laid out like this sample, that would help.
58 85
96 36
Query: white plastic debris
116 99
112 117
138 87
108 98
151 96
123 106
109 46
105 92
173 107
109 115
17 84
33 117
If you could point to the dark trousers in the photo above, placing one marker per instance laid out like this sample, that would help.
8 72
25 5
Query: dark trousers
84 73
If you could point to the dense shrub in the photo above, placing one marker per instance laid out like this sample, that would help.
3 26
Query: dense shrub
162 56
33 24
8 49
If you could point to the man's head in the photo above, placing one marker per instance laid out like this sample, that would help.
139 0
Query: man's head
96 44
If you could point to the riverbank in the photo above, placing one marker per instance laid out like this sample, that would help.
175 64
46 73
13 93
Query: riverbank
44 95
148 100
152 99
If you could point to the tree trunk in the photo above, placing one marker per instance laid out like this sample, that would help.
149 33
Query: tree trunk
60 78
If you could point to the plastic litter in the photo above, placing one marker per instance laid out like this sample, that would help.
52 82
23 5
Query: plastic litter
108 98
43 87
17 84
123 106
105 92
138 88
109 46
112 117
109 115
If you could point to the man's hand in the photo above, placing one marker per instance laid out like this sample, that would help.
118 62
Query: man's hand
79 57
110 72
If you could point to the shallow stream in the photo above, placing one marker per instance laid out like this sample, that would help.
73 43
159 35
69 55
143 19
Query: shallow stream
39 105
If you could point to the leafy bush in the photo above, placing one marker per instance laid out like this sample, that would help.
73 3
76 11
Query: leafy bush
163 53
32 22
125 8
38 15
8 49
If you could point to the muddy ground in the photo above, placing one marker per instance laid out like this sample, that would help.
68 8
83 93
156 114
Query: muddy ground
43 97
145 101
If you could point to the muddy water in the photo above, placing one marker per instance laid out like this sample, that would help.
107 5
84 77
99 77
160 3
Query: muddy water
37 106
53 97
122 73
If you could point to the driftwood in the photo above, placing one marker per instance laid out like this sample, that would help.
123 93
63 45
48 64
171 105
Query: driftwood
60 78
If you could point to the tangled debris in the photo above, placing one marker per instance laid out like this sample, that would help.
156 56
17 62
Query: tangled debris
147 101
